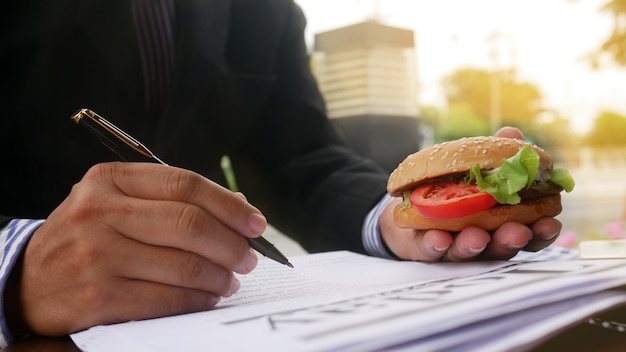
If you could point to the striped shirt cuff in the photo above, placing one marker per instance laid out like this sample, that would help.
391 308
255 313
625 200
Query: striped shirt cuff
372 240
13 237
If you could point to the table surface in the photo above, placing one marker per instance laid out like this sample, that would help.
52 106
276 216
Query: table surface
582 337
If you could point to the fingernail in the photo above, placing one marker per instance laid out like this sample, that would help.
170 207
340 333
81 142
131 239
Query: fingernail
251 260
516 246
475 250
257 223
548 237
440 249
234 287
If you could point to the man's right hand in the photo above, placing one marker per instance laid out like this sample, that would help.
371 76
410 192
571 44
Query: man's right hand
135 241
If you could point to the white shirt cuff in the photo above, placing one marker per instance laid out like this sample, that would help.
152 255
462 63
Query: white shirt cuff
372 240
13 237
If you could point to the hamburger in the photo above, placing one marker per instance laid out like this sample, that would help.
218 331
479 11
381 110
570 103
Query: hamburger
477 181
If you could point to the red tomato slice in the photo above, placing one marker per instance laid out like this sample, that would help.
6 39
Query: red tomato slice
448 200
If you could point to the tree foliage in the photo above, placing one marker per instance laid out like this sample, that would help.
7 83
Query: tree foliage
609 129
519 103
613 47
556 133
461 121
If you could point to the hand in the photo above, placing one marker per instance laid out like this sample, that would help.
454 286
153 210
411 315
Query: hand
471 242
135 241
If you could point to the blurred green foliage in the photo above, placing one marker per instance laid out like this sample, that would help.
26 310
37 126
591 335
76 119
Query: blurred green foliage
613 47
468 113
469 97
519 102
462 121
609 129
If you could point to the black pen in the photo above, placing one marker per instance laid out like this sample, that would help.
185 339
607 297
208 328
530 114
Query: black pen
130 149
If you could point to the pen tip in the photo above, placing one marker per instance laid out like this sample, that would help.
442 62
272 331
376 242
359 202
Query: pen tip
289 264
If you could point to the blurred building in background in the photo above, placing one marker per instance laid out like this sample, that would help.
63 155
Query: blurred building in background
367 74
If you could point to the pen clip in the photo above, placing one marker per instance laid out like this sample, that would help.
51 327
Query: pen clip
120 142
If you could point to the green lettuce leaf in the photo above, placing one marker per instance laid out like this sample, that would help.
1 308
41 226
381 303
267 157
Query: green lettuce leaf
562 178
516 173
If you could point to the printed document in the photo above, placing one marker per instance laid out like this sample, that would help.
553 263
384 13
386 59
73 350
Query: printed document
343 301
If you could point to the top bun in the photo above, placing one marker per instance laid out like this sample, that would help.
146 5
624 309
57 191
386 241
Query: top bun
457 156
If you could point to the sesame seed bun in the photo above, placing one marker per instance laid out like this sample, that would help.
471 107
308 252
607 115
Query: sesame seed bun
457 156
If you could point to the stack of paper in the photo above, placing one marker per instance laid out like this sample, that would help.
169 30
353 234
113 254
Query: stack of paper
349 302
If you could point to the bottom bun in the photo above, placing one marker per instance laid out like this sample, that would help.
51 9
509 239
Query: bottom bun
526 213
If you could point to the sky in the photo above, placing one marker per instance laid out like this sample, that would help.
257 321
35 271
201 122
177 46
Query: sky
545 40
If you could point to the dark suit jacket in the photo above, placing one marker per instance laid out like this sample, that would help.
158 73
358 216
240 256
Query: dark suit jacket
242 87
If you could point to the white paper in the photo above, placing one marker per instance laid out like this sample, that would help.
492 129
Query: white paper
346 301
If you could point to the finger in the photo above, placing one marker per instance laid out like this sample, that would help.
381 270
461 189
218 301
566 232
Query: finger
468 244
410 244
160 182
426 246
508 240
510 132
545 232
172 267
125 300
183 226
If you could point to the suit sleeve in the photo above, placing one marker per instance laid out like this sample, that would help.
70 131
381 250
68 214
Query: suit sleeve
328 189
